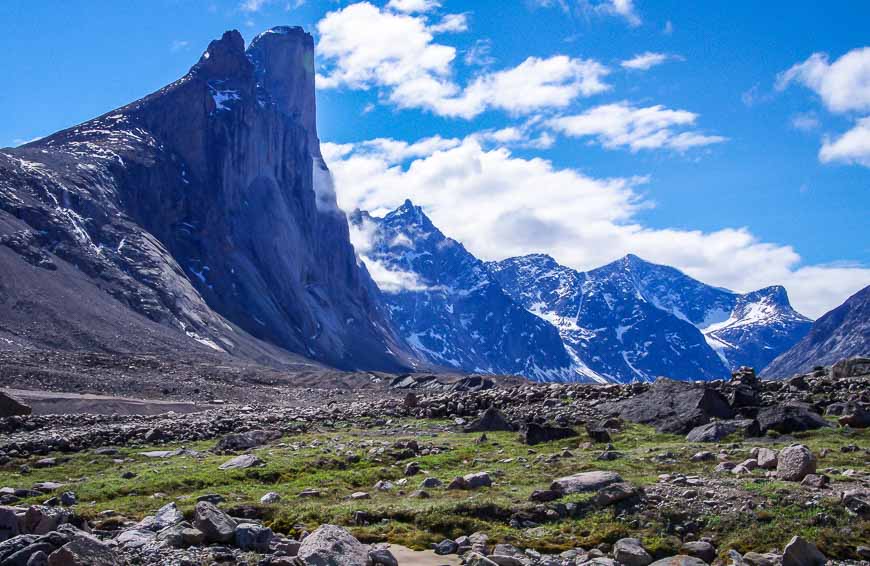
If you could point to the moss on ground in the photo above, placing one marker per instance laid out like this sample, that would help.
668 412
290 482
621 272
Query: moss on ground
317 459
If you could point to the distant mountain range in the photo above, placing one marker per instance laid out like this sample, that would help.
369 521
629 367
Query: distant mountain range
451 309
841 333
202 219
628 320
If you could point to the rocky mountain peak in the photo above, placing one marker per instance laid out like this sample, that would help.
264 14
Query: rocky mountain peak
224 58
283 59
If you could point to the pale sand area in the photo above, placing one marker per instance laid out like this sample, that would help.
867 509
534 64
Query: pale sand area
406 556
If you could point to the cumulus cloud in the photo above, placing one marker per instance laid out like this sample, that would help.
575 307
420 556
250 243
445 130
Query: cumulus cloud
621 8
364 47
645 61
413 6
622 125
853 147
843 85
451 23
388 279
512 206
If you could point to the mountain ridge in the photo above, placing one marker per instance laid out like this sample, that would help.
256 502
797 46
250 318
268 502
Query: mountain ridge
204 207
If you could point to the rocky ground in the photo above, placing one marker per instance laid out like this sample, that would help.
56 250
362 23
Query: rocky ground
426 470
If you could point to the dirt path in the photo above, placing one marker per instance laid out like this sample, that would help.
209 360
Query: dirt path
49 403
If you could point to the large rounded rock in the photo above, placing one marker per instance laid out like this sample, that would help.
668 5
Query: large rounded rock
253 537
331 545
584 481
786 419
84 550
630 552
800 552
215 525
489 421
12 407
795 462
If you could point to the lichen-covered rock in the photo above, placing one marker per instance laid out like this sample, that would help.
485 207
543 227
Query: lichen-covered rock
795 463
330 545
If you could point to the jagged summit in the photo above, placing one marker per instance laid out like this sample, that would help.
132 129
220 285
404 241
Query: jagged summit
206 207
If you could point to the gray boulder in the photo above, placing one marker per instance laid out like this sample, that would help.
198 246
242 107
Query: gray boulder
800 552
84 550
253 537
795 462
699 549
716 431
786 419
489 421
241 462
584 482
681 560
532 433
12 407
630 552
167 516
673 406
331 545
215 525
238 442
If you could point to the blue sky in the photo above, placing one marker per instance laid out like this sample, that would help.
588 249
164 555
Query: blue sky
729 139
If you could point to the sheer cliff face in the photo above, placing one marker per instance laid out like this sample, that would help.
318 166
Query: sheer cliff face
207 207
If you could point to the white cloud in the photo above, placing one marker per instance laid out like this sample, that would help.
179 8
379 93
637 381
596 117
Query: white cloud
645 61
852 147
620 8
479 53
622 125
805 122
413 6
364 47
669 28
843 85
451 23
389 280
252 5
500 205
179 45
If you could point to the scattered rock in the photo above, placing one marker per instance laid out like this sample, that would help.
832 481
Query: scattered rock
532 433
241 462
490 420
584 482
800 552
330 545
630 552
795 462
215 525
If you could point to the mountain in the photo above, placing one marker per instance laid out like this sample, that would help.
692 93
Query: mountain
635 320
448 306
202 215
841 333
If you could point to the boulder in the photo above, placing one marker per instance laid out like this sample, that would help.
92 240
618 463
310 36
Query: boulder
382 557
717 430
238 442
532 433
786 419
12 407
630 552
795 462
8 523
241 462
855 416
584 482
215 525
673 406
800 552
699 549
850 367
251 537
478 479
614 493
331 545
167 516
857 502
489 421
84 550
767 458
